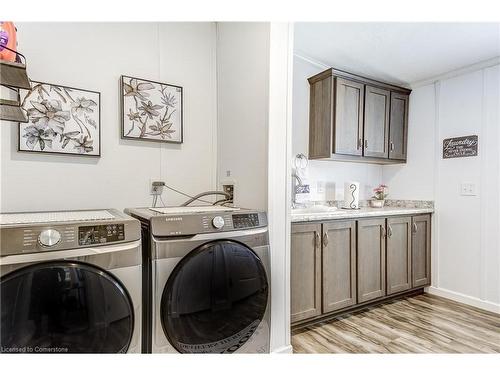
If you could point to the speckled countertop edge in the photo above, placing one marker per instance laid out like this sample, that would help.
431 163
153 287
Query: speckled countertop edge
364 212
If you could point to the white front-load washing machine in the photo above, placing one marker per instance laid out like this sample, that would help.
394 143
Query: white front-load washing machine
210 279
70 282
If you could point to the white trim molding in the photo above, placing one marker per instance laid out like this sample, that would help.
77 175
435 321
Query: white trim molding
457 72
283 350
462 298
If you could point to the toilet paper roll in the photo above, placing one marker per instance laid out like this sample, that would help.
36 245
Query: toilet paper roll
351 195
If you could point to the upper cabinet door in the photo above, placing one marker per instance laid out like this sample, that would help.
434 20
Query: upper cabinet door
348 129
398 126
376 131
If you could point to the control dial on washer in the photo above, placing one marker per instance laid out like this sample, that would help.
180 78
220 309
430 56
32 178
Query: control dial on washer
218 222
49 237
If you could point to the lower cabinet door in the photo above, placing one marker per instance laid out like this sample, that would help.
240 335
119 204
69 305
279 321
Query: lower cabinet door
371 259
421 250
305 271
398 254
339 265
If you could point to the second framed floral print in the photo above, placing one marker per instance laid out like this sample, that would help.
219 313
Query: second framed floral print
151 110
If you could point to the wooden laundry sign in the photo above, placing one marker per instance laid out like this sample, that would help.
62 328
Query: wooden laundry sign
460 147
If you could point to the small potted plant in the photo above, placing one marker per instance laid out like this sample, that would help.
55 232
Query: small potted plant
379 195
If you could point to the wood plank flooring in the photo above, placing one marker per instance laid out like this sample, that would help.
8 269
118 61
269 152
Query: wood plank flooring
419 324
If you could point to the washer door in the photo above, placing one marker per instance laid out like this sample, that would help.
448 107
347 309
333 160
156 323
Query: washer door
64 307
214 299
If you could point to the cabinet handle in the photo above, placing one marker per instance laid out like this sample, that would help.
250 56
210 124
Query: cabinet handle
389 231
360 143
392 146
382 231
325 239
366 143
415 227
317 239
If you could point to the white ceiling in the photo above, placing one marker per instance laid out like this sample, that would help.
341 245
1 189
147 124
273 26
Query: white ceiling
402 53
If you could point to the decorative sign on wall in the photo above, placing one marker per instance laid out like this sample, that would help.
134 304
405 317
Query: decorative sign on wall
460 147
61 120
151 111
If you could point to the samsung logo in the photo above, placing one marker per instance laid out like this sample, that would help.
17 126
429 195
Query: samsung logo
173 219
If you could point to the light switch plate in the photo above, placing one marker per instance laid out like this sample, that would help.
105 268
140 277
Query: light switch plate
468 189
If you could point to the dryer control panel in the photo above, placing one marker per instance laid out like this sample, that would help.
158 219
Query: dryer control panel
241 221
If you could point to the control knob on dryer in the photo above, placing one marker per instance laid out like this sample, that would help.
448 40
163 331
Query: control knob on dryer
49 237
218 222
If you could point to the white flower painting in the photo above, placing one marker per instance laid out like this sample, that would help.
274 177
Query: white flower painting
151 110
62 120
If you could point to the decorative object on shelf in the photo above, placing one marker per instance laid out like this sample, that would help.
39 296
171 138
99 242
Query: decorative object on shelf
460 147
61 120
150 110
13 75
351 195
379 195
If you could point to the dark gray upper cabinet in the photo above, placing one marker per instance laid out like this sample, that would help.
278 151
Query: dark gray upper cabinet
371 259
350 117
339 265
376 120
421 250
398 256
398 126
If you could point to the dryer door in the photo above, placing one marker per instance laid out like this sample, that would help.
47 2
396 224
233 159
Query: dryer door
215 298
64 307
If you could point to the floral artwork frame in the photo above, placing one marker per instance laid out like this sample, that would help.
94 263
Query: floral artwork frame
151 110
61 120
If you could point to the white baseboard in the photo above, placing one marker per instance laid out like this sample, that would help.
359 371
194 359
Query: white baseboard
468 300
283 350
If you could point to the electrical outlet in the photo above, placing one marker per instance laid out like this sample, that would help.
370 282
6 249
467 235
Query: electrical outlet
468 189
156 186
229 189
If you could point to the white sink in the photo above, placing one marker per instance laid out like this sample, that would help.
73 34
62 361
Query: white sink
313 210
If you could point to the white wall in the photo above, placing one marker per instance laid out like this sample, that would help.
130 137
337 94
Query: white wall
466 240
93 56
332 172
243 85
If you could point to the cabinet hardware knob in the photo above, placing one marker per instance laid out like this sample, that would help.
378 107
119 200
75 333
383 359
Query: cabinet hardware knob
325 239
415 227
366 143
389 231
382 231
317 239
392 146
360 143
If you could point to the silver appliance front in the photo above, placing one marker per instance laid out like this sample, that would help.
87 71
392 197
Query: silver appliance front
167 253
76 294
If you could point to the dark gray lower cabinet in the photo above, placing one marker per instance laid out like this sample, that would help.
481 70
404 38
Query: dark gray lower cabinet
371 259
398 255
339 265
421 250
305 272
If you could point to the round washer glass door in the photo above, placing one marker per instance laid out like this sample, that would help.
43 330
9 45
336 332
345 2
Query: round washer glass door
64 307
215 298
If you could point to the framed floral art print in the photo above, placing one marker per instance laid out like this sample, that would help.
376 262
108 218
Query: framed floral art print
151 111
61 120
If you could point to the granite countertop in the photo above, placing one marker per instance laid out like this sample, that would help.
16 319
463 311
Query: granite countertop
362 212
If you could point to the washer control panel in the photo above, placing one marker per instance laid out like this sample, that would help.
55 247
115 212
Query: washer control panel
245 220
100 234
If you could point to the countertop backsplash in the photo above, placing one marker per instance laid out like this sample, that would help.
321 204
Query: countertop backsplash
403 203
